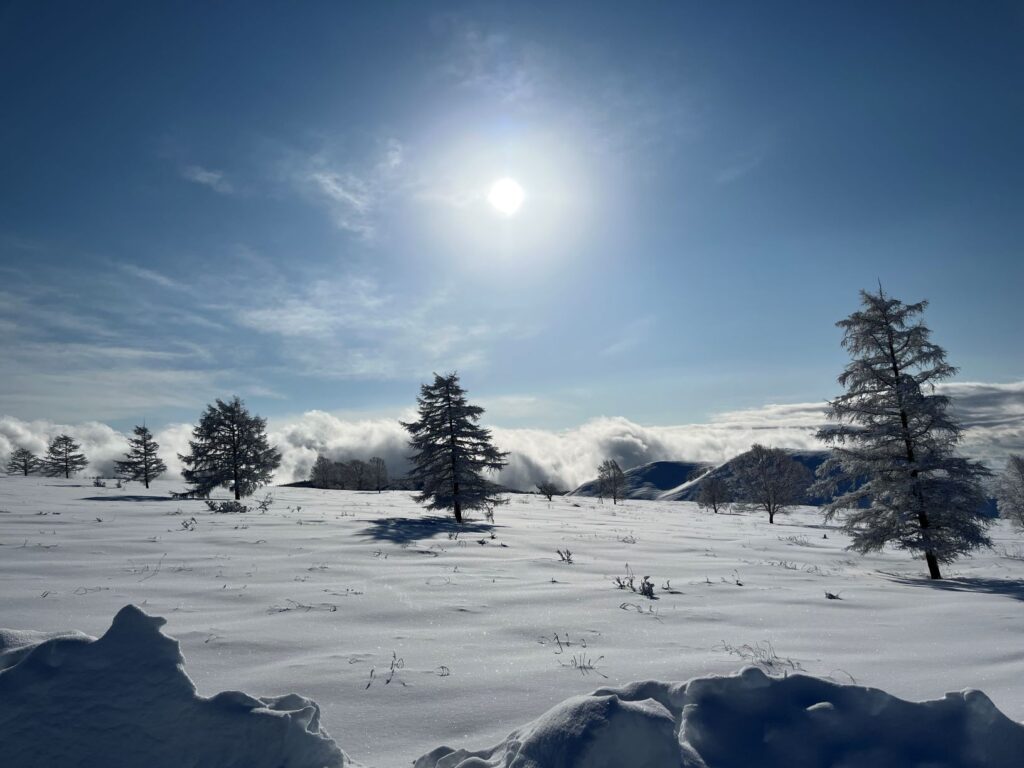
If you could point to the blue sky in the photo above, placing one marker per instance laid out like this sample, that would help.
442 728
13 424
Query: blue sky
287 201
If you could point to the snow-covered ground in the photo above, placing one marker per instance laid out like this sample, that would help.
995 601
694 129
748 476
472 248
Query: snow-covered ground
411 633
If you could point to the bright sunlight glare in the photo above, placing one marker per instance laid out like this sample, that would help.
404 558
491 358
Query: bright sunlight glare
506 196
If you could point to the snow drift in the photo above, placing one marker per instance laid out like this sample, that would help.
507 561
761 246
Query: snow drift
125 700
750 719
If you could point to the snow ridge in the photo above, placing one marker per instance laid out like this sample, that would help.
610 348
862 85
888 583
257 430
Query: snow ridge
749 719
125 700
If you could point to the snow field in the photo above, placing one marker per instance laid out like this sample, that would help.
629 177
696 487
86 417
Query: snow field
409 636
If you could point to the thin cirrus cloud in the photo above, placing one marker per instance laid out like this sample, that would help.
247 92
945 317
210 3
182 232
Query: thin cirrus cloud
352 196
206 177
992 415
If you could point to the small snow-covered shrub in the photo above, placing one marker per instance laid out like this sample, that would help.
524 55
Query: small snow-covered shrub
226 507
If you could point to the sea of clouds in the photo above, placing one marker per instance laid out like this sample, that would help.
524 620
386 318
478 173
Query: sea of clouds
992 414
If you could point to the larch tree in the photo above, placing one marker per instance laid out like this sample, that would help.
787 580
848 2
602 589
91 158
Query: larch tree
22 462
611 480
1010 491
893 441
453 451
229 448
769 479
378 473
141 462
63 457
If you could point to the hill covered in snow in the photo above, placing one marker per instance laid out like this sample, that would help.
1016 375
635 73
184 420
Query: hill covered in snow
681 480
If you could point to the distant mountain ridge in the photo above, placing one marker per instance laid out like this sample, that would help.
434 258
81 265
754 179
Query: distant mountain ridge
681 480
649 481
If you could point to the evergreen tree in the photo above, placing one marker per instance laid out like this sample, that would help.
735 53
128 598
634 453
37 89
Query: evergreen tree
141 462
769 479
1010 491
611 480
452 450
23 462
63 458
379 473
894 441
229 449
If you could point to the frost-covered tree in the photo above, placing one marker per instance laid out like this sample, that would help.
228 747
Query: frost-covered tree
322 473
63 457
22 462
358 473
714 493
769 479
452 450
1010 491
229 448
611 480
378 473
893 443
141 462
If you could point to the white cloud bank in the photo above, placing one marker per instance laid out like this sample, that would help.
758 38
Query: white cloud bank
992 414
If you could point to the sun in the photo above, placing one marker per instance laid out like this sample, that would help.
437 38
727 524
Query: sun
506 196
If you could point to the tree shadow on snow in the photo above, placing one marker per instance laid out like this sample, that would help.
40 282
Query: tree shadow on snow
1013 588
126 498
402 530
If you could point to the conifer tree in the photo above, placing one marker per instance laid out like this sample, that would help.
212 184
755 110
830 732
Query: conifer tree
141 461
894 441
611 480
229 448
23 462
63 457
452 450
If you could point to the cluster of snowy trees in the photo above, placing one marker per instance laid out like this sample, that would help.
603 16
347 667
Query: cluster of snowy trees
355 474
893 475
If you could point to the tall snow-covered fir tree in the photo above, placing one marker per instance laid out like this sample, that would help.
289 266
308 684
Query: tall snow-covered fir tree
452 450
894 441
63 457
141 462
229 449
22 462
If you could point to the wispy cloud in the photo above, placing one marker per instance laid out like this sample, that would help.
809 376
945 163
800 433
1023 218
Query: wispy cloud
150 275
348 327
215 180
351 193
738 168
631 336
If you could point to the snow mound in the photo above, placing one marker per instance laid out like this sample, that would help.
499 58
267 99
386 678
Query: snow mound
124 700
751 719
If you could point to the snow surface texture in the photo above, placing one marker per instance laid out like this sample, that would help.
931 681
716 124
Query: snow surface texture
125 700
751 719
325 591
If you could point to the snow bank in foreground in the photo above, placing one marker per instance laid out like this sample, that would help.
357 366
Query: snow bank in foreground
125 700
751 719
